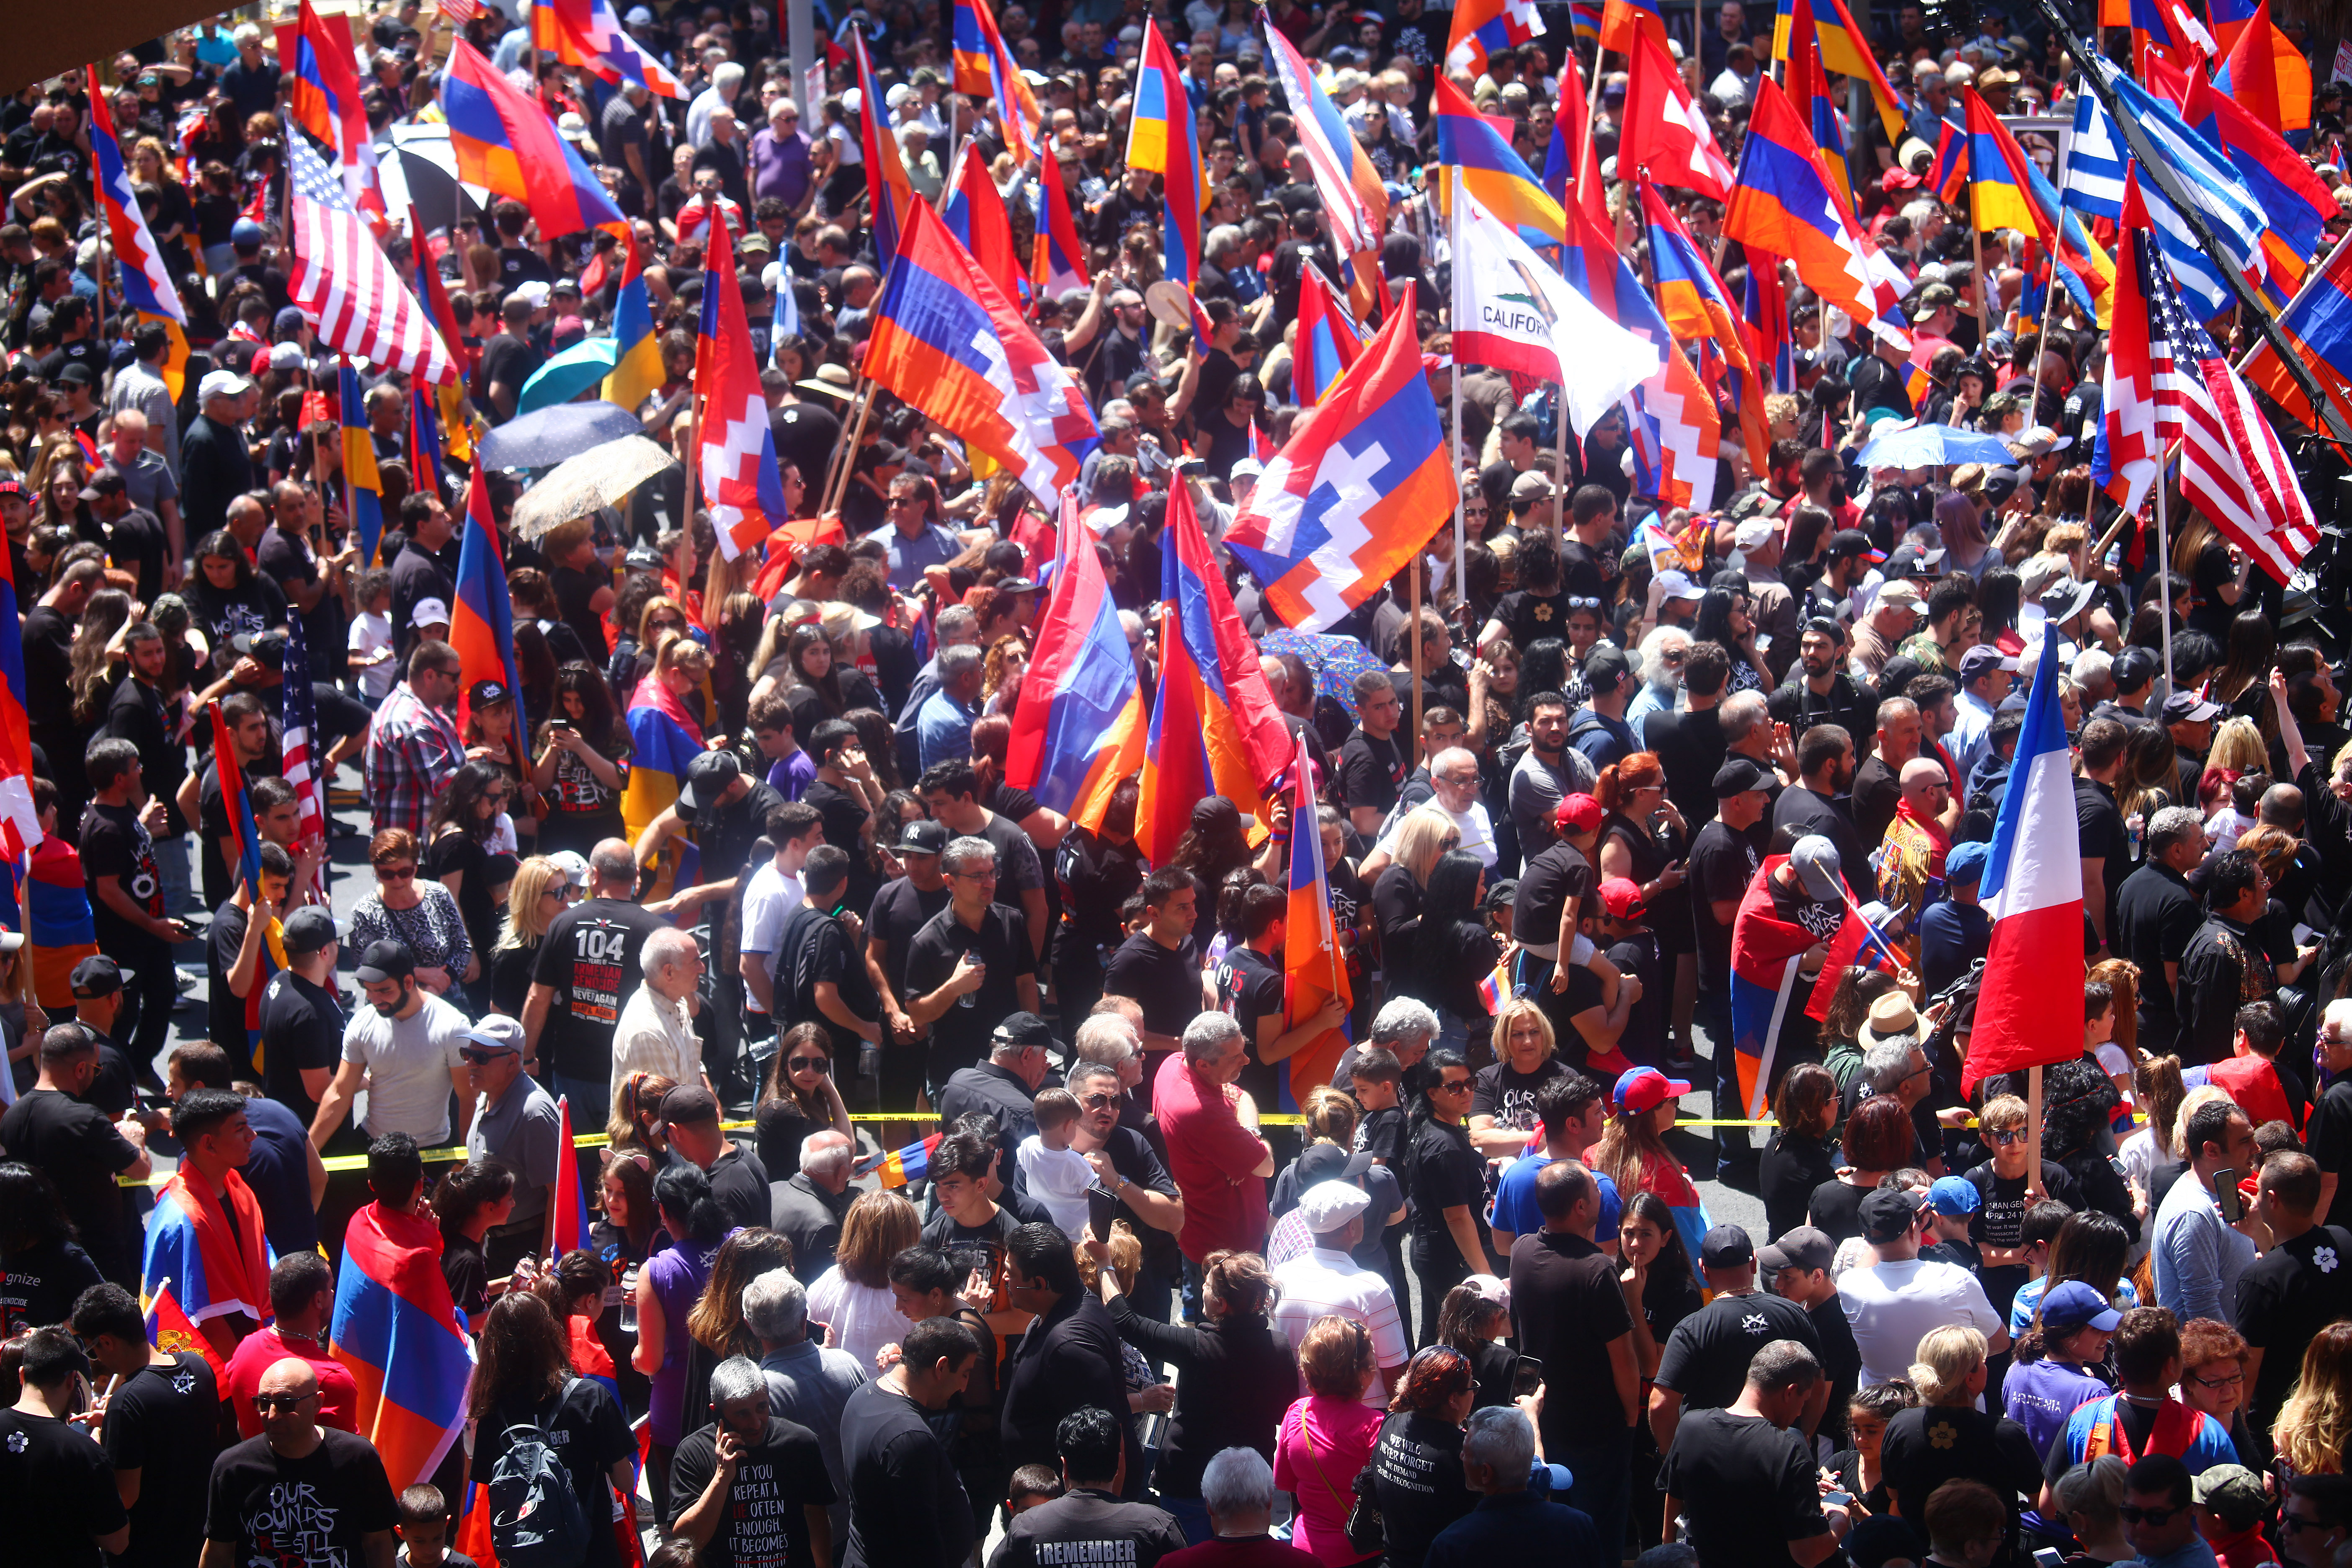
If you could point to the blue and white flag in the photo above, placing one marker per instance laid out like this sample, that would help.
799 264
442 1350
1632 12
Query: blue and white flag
2094 161
2212 184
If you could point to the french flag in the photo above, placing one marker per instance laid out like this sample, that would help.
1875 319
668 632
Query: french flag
2033 890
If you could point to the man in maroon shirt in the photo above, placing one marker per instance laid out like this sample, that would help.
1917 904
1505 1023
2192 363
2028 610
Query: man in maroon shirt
1220 1165
1238 1489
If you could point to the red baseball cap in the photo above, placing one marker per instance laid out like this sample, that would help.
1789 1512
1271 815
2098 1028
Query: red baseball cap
1646 1088
1580 812
1622 896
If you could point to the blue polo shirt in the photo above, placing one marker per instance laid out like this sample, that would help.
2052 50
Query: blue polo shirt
934 546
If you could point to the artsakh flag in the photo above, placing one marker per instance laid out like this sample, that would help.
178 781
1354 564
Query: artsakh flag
1667 135
733 441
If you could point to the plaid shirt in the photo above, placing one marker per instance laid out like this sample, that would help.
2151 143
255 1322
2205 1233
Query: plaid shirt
413 752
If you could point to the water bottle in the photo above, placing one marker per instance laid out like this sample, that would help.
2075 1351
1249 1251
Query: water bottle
869 1060
629 1299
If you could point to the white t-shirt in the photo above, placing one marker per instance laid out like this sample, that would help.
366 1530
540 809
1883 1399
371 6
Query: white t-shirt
1478 831
767 902
1891 1306
408 1062
371 631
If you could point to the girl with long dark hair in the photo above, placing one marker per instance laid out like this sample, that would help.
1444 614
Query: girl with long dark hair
1455 951
1661 1290
462 835
801 1098
45 1267
625 1234
667 1287
523 1377
583 766
469 1202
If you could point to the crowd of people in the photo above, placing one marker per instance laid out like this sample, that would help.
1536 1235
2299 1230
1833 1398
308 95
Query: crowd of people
951 1191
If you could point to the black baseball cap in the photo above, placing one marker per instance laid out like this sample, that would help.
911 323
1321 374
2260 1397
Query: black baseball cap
1889 1213
98 976
1329 1163
706 778
2135 667
1852 542
688 1102
309 930
1606 667
487 694
1025 1029
923 836
1737 776
2187 708
385 959
1725 1246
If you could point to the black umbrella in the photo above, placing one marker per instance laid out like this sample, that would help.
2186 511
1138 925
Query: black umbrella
546 438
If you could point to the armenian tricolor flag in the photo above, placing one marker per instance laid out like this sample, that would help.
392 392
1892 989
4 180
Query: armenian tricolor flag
2000 190
1784 204
1846 50
481 618
637 366
504 142
1328 339
363 488
1622 19
205 1257
1082 727
984 69
1214 728
911 1164
399 1336
20 824
2319 324
1160 137
1315 971
663 738
2297 205
1491 170
889 191
1809 90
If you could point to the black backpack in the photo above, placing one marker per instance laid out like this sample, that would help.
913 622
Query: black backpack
536 1519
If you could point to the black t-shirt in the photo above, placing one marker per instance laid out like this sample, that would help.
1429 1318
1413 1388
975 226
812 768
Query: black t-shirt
589 1432
508 361
1447 1173
57 1490
1528 615
1567 1309
114 843
1841 1359
845 825
2101 836
2000 1219
301 1026
1096 876
1747 1487
738 1183
1706 1360
312 1512
959 1036
165 1423
1088 1526
763 1524
820 952
1371 772
39 1285
1416 1468
982 1246
2328 1133
590 956
416 576
81 1152
575 595
1502 1091
1249 986
49 661
1931 1445
2284 1297
1167 983
900 910
1543 893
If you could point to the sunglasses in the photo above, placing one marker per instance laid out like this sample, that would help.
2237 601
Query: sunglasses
1455 1085
801 1064
266 1403
2158 1517
2003 1140
1582 601
1454 842
394 873
482 1057
1098 1102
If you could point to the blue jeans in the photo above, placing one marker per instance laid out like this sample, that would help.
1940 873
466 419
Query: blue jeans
172 869
1601 1485
591 1102
1191 1513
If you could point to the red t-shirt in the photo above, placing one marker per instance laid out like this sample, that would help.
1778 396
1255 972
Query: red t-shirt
338 1396
1212 1156
1246 1551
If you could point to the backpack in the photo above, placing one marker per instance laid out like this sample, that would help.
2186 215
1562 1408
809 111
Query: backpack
536 1519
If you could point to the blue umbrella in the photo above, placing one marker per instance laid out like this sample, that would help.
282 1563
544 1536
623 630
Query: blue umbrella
544 439
584 365
1336 661
1912 445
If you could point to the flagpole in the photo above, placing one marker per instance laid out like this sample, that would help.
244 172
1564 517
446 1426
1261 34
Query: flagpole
1984 303
2164 572
845 458
1454 379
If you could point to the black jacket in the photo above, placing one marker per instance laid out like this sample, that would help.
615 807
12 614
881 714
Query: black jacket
1068 1360
1239 1376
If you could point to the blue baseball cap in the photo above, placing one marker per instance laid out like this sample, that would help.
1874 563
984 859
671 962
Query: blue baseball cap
1953 1197
1965 863
2074 1305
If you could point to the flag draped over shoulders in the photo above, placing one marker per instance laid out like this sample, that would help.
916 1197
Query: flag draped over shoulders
403 1340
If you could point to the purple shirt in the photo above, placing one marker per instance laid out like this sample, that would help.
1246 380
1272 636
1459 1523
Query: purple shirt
790 777
678 1273
2041 1397
780 166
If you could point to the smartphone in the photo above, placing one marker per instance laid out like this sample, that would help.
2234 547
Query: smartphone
1527 1377
2047 1557
1102 1208
558 724
2226 1195
1837 1500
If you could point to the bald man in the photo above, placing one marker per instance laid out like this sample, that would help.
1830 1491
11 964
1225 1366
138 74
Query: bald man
1916 840
300 1491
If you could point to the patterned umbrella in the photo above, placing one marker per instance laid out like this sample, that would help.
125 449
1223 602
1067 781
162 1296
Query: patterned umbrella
1336 661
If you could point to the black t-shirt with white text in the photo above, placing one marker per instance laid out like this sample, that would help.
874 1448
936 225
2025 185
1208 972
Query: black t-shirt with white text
316 1512
591 956
764 1523
1249 986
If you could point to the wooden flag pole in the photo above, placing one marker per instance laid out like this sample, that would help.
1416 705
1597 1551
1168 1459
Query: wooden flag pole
2034 1128
1453 380
1412 578
1976 254
838 487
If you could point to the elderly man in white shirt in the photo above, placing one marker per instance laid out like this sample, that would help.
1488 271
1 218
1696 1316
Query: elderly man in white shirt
655 1031
1454 775
1326 1280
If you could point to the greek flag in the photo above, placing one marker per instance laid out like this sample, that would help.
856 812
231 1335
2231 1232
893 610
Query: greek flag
2094 161
2210 182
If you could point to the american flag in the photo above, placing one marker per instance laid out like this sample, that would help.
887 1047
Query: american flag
344 281
2232 466
301 723
459 11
